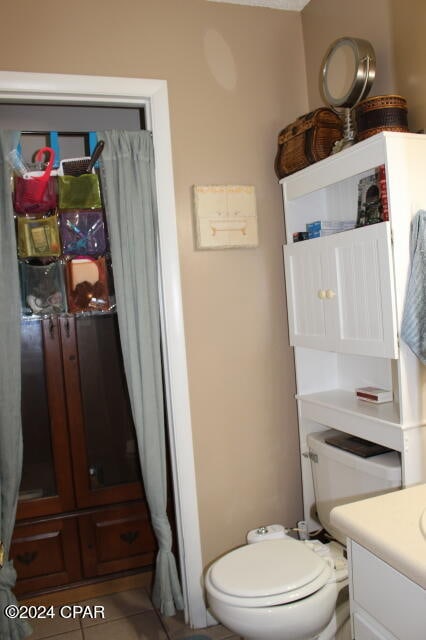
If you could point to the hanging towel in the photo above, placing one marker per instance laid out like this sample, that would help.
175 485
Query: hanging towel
413 329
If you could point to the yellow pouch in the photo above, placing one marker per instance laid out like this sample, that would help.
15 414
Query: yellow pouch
79 192
38 238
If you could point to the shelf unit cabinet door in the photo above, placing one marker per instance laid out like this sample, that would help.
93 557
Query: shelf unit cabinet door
46 483
307 309
359 284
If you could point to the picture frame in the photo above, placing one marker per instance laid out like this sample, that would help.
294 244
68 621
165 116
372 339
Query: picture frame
225 216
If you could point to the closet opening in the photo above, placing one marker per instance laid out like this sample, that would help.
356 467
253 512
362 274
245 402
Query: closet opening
82 514
152 95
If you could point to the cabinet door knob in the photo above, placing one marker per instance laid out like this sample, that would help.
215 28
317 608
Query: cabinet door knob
330 294
321 294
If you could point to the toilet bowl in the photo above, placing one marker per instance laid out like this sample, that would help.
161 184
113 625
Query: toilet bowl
278 589
287 589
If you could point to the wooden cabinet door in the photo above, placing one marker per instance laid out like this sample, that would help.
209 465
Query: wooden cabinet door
359 283
45 554
46 484
103 441
116 539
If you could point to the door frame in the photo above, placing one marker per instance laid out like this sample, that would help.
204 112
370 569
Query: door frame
53 89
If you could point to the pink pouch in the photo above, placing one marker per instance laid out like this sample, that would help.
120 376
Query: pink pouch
36 193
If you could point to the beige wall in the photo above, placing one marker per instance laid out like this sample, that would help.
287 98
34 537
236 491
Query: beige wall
326 20
408 27
236 76
396 30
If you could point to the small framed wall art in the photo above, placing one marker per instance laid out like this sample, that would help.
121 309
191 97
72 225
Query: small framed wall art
225 216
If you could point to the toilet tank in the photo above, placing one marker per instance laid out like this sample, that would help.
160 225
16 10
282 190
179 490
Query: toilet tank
340 477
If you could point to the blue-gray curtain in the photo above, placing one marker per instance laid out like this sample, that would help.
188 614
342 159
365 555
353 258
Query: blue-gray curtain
10 390
413 328
128 183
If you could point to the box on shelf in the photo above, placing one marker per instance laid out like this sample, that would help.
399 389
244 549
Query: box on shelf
320 228
374 394
322 225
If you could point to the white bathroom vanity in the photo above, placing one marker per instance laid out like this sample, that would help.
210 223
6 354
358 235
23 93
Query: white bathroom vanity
387 564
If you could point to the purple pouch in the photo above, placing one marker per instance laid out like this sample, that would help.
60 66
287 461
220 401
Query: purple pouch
82 233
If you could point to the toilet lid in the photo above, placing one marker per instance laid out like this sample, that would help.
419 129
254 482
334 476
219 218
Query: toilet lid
269 573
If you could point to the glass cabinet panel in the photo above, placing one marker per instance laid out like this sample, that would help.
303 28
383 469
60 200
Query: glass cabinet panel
38 475
110 435
102 436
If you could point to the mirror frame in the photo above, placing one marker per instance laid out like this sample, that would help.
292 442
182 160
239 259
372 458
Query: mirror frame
365 71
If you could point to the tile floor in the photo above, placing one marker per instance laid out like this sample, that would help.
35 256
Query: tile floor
129 615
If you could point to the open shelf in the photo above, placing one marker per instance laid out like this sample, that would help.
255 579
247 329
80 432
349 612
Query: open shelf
340 409
354 160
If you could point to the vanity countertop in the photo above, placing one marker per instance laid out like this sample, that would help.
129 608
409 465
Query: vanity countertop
392 526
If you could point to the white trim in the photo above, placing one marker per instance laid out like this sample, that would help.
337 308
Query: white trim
73 89
284 5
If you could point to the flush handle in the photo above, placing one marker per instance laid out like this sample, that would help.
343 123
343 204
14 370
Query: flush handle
313 457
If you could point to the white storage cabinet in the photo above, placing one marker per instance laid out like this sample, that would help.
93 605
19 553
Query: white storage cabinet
345 298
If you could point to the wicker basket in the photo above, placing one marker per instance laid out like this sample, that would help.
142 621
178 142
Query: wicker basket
381 113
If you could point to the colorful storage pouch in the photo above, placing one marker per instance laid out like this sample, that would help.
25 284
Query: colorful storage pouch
80 192
38 238
87 285
83 233
36 192
42 288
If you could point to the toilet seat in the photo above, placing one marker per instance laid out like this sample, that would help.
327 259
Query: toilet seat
269 573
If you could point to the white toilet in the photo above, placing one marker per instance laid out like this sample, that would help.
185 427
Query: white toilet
287 589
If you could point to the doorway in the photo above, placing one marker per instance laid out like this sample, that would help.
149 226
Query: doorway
152 95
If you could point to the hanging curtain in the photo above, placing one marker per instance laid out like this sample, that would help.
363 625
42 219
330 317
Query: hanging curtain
10 391
128 183
413 327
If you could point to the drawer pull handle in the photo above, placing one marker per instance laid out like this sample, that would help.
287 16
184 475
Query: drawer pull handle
28 557
321 294
51 328
129 536
330 294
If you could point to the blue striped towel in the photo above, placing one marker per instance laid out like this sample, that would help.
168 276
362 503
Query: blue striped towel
413 328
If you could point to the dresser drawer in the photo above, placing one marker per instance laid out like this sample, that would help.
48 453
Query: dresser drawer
116 539
45 554
393 600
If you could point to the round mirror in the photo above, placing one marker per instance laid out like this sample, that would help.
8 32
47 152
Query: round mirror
348 71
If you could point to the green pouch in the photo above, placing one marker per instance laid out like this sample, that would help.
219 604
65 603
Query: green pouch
79 192
38 238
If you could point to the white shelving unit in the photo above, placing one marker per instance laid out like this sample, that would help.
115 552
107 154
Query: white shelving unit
345 298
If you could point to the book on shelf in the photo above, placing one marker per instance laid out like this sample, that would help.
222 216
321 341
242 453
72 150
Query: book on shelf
374 394
373 198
